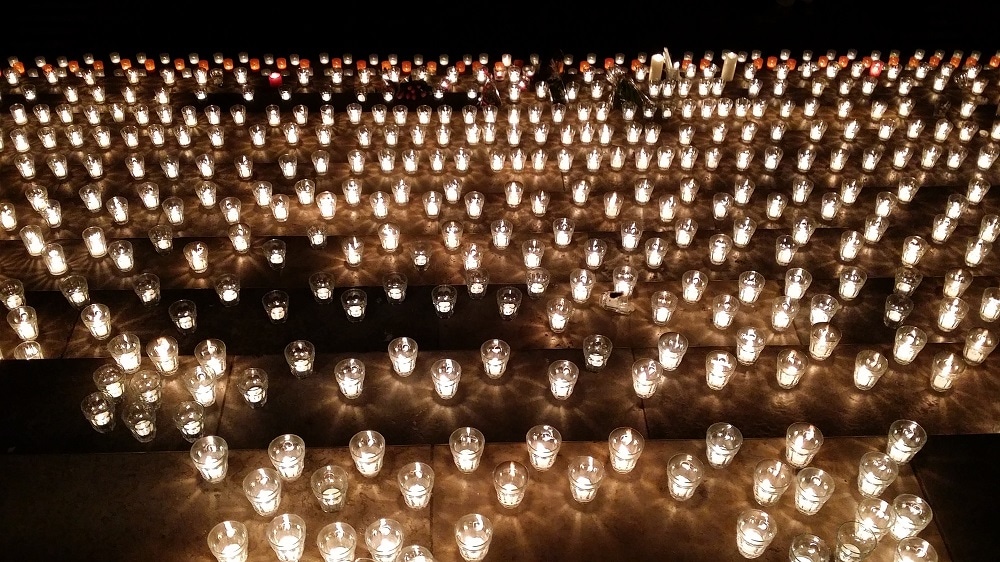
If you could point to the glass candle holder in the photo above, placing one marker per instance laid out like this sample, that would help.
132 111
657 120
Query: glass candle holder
750 342
355 304
229 541
287 453
252 383
722 443
543 442
979 344
946 368
443 299
755 530
189 419
559 311
791 365
596 352
876 471
813 487
852 279
823 339
915 549
585 476
96 317
908 342
537 281
473 534
956 282
301 357
508 302
904 440
771 479
163 352
196 254
403 355
201 383
684 475
75 289
126 351
647 375
822 308
276 306
510 479
719 369
263 489
693 285
495 354
329 485
563 375
802 442
184 314
99 409
286 534
467 444
751 285
446 374
869 366
626 445
724 309
594 251
913 515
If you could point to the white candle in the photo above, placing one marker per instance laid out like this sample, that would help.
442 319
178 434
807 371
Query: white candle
729 66
656 68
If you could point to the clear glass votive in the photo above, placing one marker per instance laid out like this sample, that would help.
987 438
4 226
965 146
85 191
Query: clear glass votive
585 476
905 439
416 483
252 384
722 442
684 474
877 515
510 479
467 445
495 354
813 487
755 529
771 479
543 442
596 352
368 451
802 441
626 445
288 454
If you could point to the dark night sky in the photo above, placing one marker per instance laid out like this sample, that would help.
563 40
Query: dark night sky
517 27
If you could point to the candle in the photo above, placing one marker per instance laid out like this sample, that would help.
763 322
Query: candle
729 61
656 64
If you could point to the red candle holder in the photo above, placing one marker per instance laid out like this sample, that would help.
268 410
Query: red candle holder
274 79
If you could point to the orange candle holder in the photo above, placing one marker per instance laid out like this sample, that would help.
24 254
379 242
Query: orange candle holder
790 64
406 66
179 64
460 66
843 61
227 64
772 62
74 66
255 65
203 64
98 66
822 61
150 65
386 66
361 64
432 67
336 62
281 63
304 63
126 64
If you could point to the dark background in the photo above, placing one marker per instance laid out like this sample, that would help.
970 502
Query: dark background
516 27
